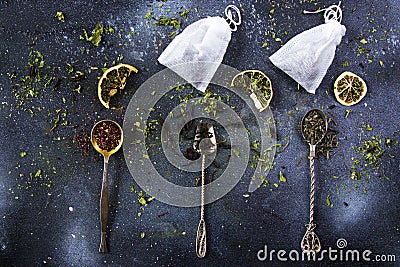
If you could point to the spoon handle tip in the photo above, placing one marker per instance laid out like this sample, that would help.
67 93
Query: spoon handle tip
201 244
103 243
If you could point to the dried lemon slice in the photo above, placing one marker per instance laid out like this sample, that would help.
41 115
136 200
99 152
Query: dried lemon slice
349 88
259 85
112 80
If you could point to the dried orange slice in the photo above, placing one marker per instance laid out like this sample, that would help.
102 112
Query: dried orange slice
349 88
112 80
258 84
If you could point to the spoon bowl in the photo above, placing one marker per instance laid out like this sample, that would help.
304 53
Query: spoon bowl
314 126
204 141
94 141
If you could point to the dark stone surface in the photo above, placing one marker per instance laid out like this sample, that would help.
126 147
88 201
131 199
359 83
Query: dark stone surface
53 218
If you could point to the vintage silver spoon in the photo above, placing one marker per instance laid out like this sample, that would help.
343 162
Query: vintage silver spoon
205 143
314 126
106 137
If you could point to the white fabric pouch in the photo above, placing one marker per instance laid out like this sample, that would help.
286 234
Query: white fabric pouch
205 40
307 56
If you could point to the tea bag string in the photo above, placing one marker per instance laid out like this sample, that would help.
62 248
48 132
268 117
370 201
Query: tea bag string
230 19
334 12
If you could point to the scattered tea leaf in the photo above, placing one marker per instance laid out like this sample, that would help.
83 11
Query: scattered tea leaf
60 16
282 178
165 21
38 173
328 201
96 36
142 201
348 111
184 13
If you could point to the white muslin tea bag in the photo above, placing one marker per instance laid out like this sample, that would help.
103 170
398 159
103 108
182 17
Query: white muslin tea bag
204 41
307 56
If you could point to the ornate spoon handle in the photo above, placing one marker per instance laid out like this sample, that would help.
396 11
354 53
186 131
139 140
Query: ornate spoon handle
310 242
201 244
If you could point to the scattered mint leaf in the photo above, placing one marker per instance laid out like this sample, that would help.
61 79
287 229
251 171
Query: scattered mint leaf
96 36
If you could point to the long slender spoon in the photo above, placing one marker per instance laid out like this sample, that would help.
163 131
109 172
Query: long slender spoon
106 137
205 143
314 126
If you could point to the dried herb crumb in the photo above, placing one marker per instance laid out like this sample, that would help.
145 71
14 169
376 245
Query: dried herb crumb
282 178
38 173
60 16
96 36
142 201
110 29
165 21
368 127
148 15
348 111
184 13
328 200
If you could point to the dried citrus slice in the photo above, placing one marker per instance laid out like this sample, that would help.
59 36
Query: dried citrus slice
349 88
112 80
259 85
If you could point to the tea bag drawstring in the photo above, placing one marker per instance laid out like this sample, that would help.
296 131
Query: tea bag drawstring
334 12
230 19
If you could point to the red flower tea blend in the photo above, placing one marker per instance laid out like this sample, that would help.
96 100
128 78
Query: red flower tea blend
107 135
